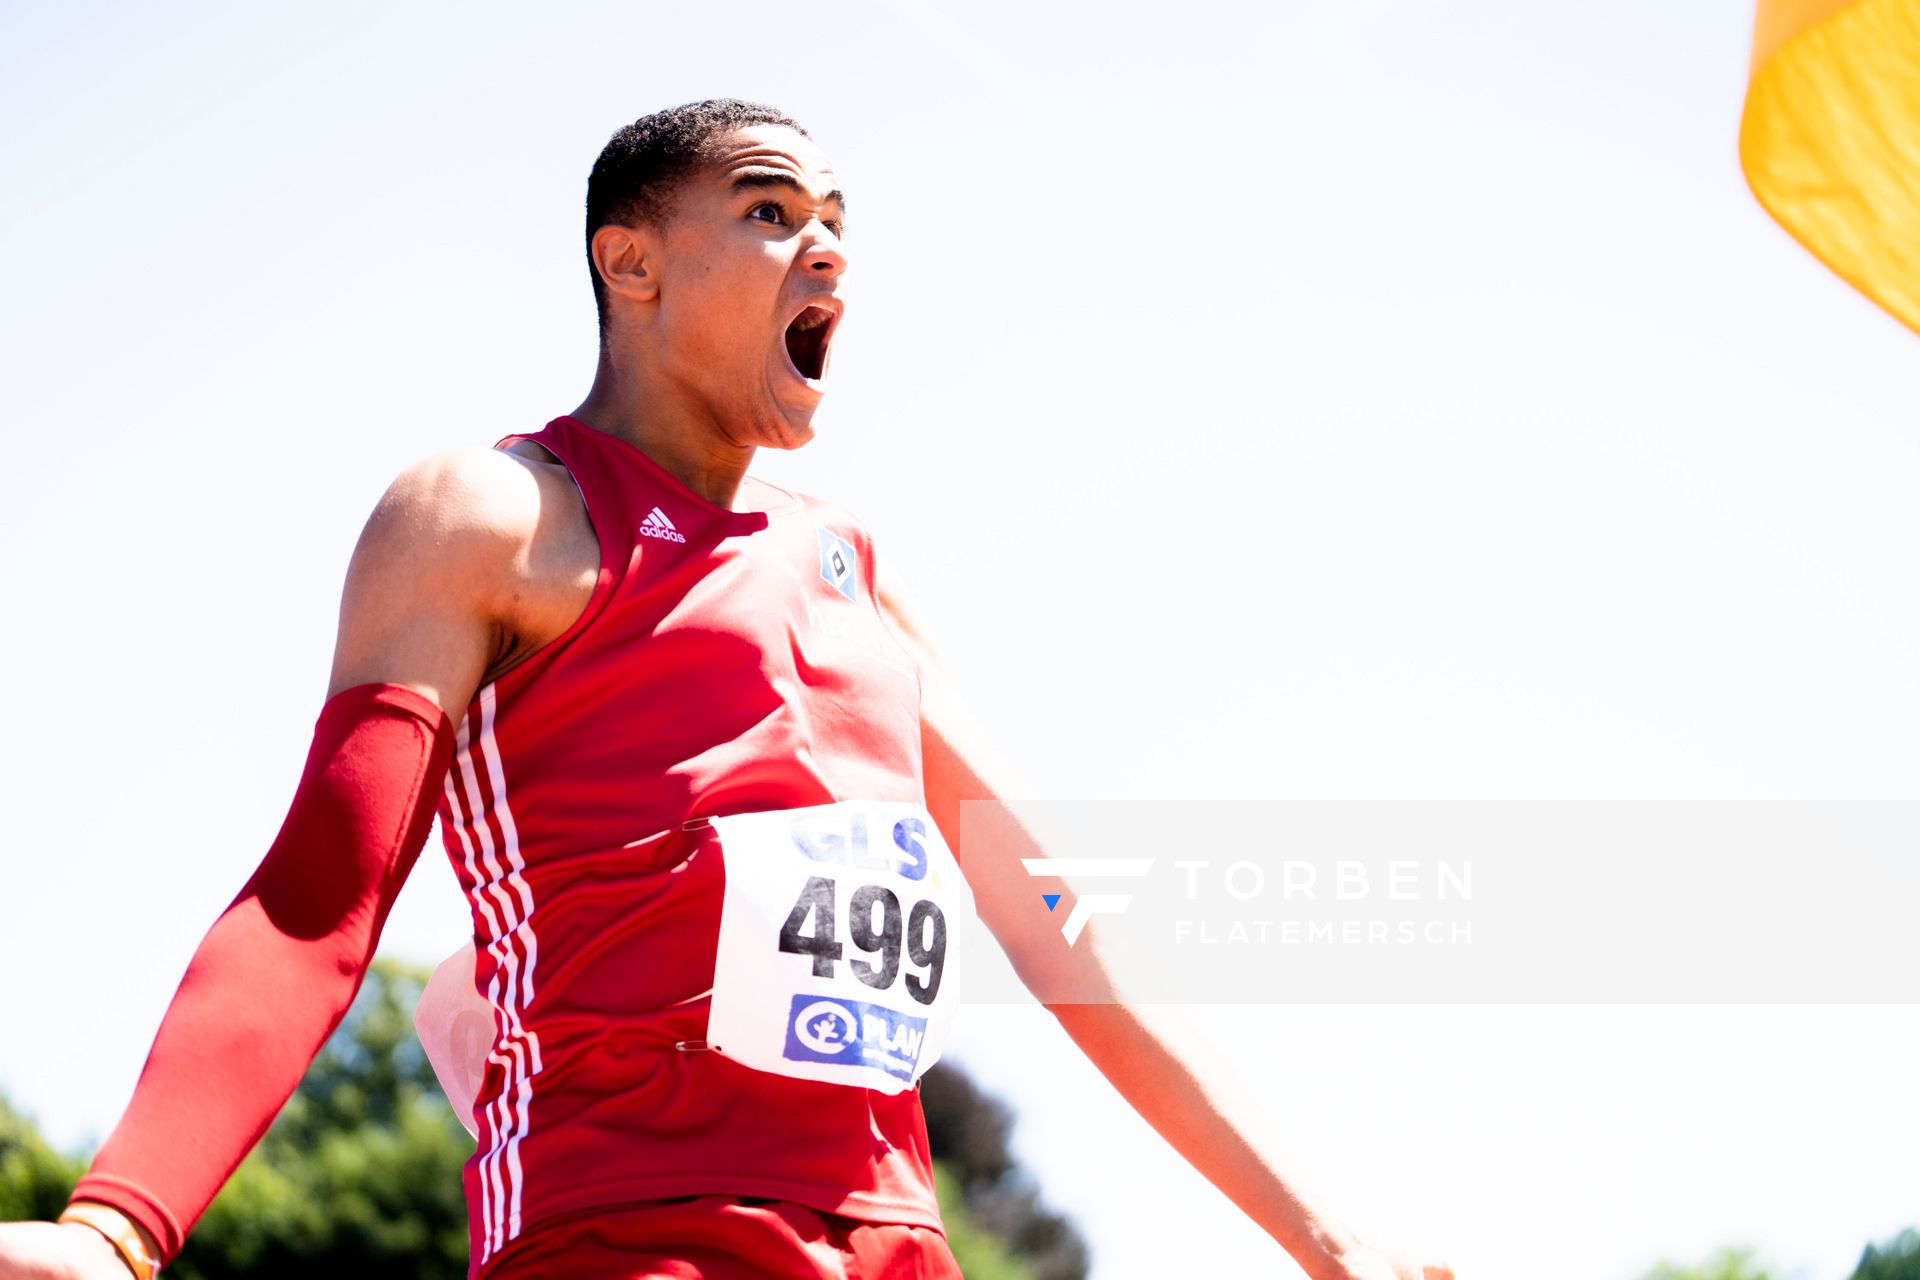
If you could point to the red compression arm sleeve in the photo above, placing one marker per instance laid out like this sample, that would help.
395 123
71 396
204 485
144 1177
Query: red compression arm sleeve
276 973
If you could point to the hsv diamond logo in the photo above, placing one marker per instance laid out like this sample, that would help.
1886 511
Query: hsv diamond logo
656 525
1086 906
836 563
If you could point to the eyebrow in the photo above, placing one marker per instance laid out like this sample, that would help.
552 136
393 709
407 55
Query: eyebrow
769 179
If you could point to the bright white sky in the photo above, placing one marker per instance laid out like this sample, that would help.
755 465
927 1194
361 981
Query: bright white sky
1376 399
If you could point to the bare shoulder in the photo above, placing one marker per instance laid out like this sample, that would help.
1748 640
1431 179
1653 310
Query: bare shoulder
456 504
470 560
479 518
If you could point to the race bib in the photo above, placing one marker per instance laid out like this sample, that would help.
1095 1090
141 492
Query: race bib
842 936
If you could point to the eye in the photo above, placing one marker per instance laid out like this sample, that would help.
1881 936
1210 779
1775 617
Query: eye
779 215
838 228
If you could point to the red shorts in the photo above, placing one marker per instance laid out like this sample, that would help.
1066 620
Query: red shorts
723 1237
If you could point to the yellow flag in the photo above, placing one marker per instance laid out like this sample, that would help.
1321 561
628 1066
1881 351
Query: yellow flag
1830 139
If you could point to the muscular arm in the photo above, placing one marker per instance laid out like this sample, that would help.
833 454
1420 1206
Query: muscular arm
1158 1059
431 593
423 616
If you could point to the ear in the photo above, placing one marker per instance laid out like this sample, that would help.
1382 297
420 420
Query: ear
628 261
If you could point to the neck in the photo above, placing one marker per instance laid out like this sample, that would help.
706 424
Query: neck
626 402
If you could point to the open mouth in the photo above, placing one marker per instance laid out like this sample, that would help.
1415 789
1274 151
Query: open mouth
807 339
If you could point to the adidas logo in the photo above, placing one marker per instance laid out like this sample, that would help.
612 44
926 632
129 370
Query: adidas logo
656 525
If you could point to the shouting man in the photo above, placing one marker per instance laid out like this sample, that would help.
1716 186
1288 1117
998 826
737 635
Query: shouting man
693 766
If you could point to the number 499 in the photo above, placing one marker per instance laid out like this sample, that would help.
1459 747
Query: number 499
924 935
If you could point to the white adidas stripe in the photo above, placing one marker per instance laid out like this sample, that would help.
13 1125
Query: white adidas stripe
507 990
489 1185
501 1117
493 1192
517 1051
529 946
499 947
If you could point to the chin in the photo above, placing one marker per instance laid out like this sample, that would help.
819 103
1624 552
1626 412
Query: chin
787 426
784 434
795 437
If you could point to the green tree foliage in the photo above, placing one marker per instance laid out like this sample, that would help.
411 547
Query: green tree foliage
981 1254
34 1179
1728 1264
968 1131
1897 1259
360 1173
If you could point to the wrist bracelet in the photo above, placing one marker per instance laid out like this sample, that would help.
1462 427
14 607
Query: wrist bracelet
120 1233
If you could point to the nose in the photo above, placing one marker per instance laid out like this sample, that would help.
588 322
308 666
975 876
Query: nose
825 256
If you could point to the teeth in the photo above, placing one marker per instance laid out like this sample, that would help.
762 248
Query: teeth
812 318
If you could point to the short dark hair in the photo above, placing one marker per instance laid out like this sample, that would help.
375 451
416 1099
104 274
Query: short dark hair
643 166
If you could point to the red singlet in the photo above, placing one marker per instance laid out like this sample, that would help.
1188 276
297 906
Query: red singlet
727 662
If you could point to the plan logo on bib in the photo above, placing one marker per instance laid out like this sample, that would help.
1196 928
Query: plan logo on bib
836 563
852 1031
